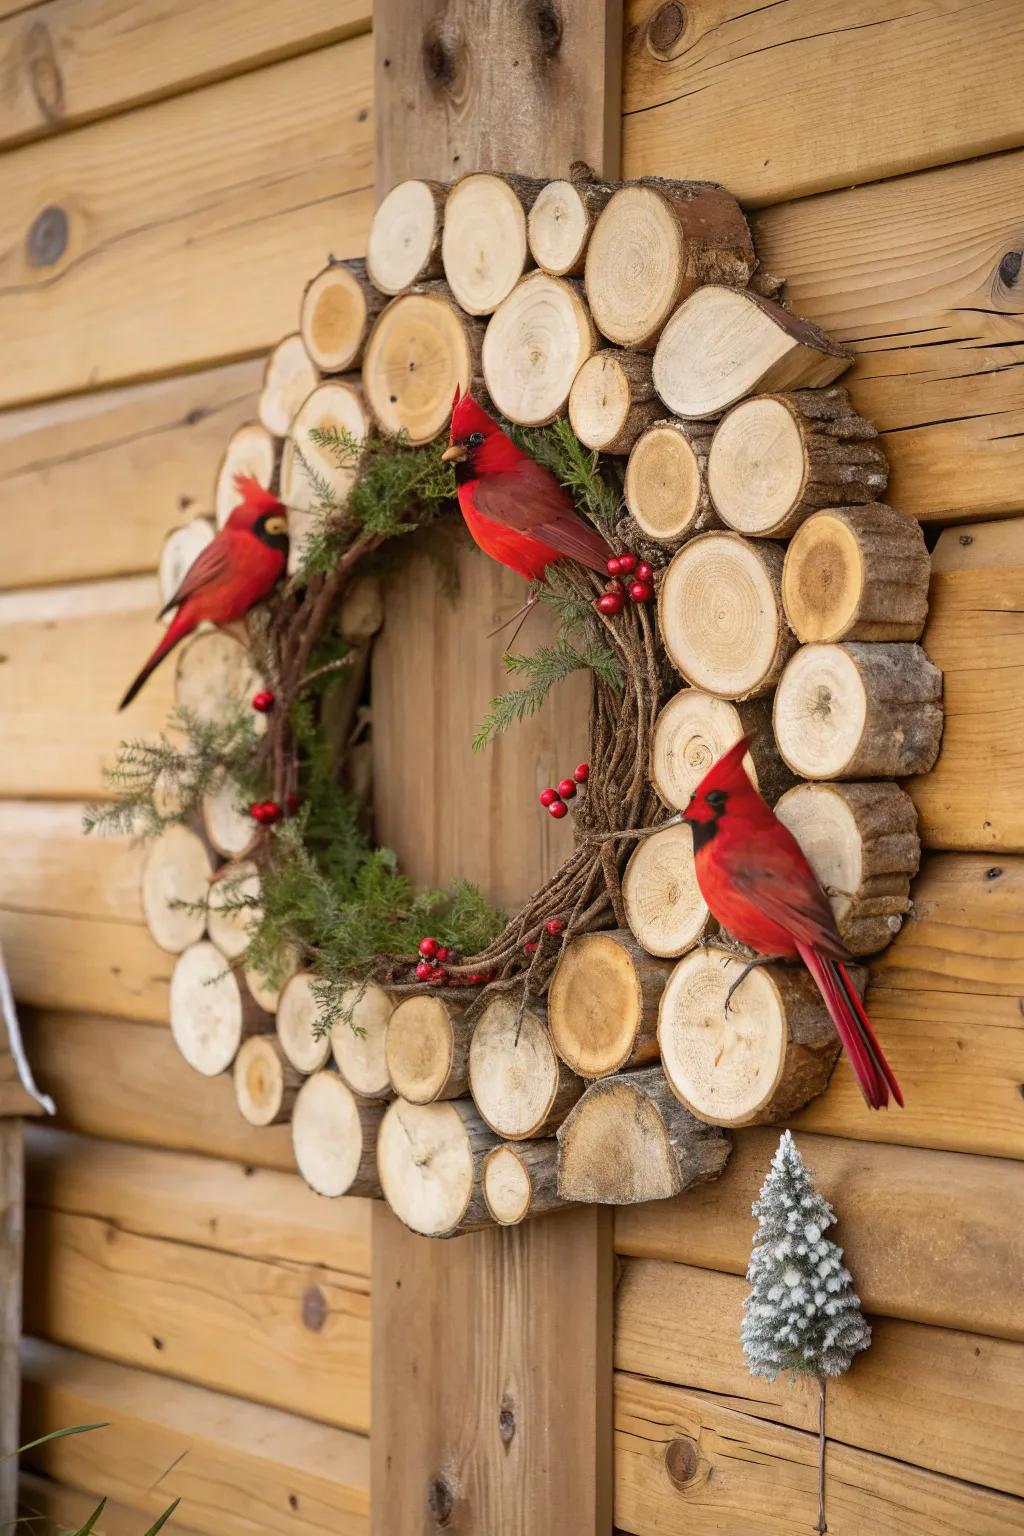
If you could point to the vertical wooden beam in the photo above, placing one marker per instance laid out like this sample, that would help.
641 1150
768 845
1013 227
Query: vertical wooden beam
492 1353
12 1193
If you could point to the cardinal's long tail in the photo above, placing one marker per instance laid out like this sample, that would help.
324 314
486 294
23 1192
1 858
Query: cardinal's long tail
178 628
846 1011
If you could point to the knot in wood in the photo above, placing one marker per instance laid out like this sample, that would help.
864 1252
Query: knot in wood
1009 268
548 21
507 1421
44 72
440 55
682 1461
440 1501
665 28
314 1308
48 236
822 706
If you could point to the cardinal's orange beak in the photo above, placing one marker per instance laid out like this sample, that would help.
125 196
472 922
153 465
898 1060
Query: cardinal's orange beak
457 453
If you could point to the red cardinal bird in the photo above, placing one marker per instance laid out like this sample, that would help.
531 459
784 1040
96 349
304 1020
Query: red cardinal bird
236 569
758 884
515 508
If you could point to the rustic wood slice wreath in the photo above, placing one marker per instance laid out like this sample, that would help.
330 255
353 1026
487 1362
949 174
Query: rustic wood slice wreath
584 1052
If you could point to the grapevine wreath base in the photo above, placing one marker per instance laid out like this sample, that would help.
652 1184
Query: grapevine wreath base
469 1068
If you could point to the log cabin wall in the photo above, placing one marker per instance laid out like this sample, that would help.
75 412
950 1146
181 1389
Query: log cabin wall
878 154
170 176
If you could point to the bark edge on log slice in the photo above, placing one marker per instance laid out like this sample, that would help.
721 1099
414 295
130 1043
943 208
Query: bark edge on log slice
520 1180
429 1159
857 573
520 1087
629 1140
694 729
537 341
603 1003
664 908
334 1138
404 245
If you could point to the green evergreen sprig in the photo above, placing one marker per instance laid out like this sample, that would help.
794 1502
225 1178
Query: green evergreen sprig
548 665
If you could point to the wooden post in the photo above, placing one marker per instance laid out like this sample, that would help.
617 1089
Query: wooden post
503 1425
11 1228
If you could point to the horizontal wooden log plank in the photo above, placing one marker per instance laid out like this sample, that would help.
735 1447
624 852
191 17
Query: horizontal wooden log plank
50 866
934 1237
686 1462
255 1212
184 232
974 796
922 277
41 1499
933 1397
240 1469
194 1314
128 1081
77 962
789 99
945 999
69 653
13 1098
93 483
71 60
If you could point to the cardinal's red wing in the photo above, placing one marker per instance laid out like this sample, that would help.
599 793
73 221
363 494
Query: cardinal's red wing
530 500
209 565
772 873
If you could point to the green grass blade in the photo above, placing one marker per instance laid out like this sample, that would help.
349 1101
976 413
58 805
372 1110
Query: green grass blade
159 1524
87 1528
55 1434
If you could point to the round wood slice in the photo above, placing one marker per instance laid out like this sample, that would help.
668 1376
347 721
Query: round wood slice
266 990
210 1013
612 400
338 308
857 573
181 548
664 907
335 406
251 450
561 222
419 351
484 246
405 237
629 1140
215 677
725 343
334 1138
298 1015
652 245
533 348
753 1065
861 841
358 1046
177 869
666 481
520 1181
289 378
426 1047
519 1085
429 1158
603 1003
859 711
231 926
226 821
695 729
265 1082
720 609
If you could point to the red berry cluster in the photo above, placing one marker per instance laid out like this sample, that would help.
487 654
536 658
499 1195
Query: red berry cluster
432 967
640 588
553 926
266 812
553 800
263 701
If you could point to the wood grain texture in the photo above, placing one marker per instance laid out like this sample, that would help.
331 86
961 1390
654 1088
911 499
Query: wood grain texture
258 1213
934 1237
195 1314
922 277
77 962
974 796
480 85
945 1000
11 1243
182 233
50 866
67 61
240 1469
128 1081
932 1397
783 100
685 1461
491 1372
93 483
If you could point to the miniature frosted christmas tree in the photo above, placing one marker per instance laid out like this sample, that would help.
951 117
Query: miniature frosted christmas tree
802 1315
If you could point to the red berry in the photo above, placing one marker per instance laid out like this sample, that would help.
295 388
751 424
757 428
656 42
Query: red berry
263 700
641 591
548 796
424 969
530 948
428 947
442 953
614 566
558 810
271 812
438 974
627 563
581 773
644 571
611 604
567 788
554 925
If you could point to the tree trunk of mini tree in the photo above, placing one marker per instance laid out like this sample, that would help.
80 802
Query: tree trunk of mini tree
821 1526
